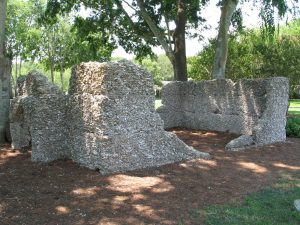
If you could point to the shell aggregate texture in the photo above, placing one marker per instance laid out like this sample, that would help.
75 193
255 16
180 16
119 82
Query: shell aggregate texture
106 122
256 109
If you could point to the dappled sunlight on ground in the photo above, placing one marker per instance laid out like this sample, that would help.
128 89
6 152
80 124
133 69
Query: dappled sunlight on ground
9 154
135 184
252 167
118 201
147 211
284 166
107 221
85 192
6 154
64 193
199 164
62 210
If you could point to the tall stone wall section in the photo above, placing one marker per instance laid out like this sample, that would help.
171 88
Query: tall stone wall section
107 122
254 108
114 124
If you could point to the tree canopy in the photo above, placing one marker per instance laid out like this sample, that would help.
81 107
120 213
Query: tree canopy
56 44
230 13
254 56
139 25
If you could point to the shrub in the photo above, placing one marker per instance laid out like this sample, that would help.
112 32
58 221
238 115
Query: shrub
293 127
295 92
252 55
160 68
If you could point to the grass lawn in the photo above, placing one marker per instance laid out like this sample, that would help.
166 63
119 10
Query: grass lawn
294 108
157 103
295 103
271 206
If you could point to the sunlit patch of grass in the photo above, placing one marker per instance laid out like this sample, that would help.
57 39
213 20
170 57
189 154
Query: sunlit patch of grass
294 107
158 103
294 102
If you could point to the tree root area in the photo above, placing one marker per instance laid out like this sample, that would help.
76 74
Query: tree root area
64 193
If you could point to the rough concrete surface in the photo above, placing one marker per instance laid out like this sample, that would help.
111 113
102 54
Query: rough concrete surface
38 118
254 108
107 122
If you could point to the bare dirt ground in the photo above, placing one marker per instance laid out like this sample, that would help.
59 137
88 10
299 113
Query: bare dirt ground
65 194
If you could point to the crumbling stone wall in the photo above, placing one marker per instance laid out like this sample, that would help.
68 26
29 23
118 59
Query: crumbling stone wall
107 122
254 108
38 118
114 124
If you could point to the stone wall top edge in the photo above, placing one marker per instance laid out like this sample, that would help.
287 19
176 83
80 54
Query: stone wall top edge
108 63
193 82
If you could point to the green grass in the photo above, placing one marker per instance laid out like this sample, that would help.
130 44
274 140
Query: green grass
157 103
294 108
294 103
271 206
293 127
294 112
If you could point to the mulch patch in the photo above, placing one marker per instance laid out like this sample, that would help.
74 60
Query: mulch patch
63 193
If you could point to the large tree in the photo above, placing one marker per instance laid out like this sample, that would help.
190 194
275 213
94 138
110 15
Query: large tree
219 64
23 31
63 46
3 5
138 25
5 70
268 9
252 55
54 44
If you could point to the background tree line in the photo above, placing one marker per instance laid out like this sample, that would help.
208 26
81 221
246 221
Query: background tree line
253 54
61 38
53 46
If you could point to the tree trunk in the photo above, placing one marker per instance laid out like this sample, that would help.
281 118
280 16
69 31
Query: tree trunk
3 4
52 70
179 64
62 76
220 59
20 67
13 87
155 30
178 56
16 67
5 72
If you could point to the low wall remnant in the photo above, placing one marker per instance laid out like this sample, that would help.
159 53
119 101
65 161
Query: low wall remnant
254 108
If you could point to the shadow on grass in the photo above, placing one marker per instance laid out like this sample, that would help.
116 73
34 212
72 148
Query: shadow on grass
293 113
272 206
